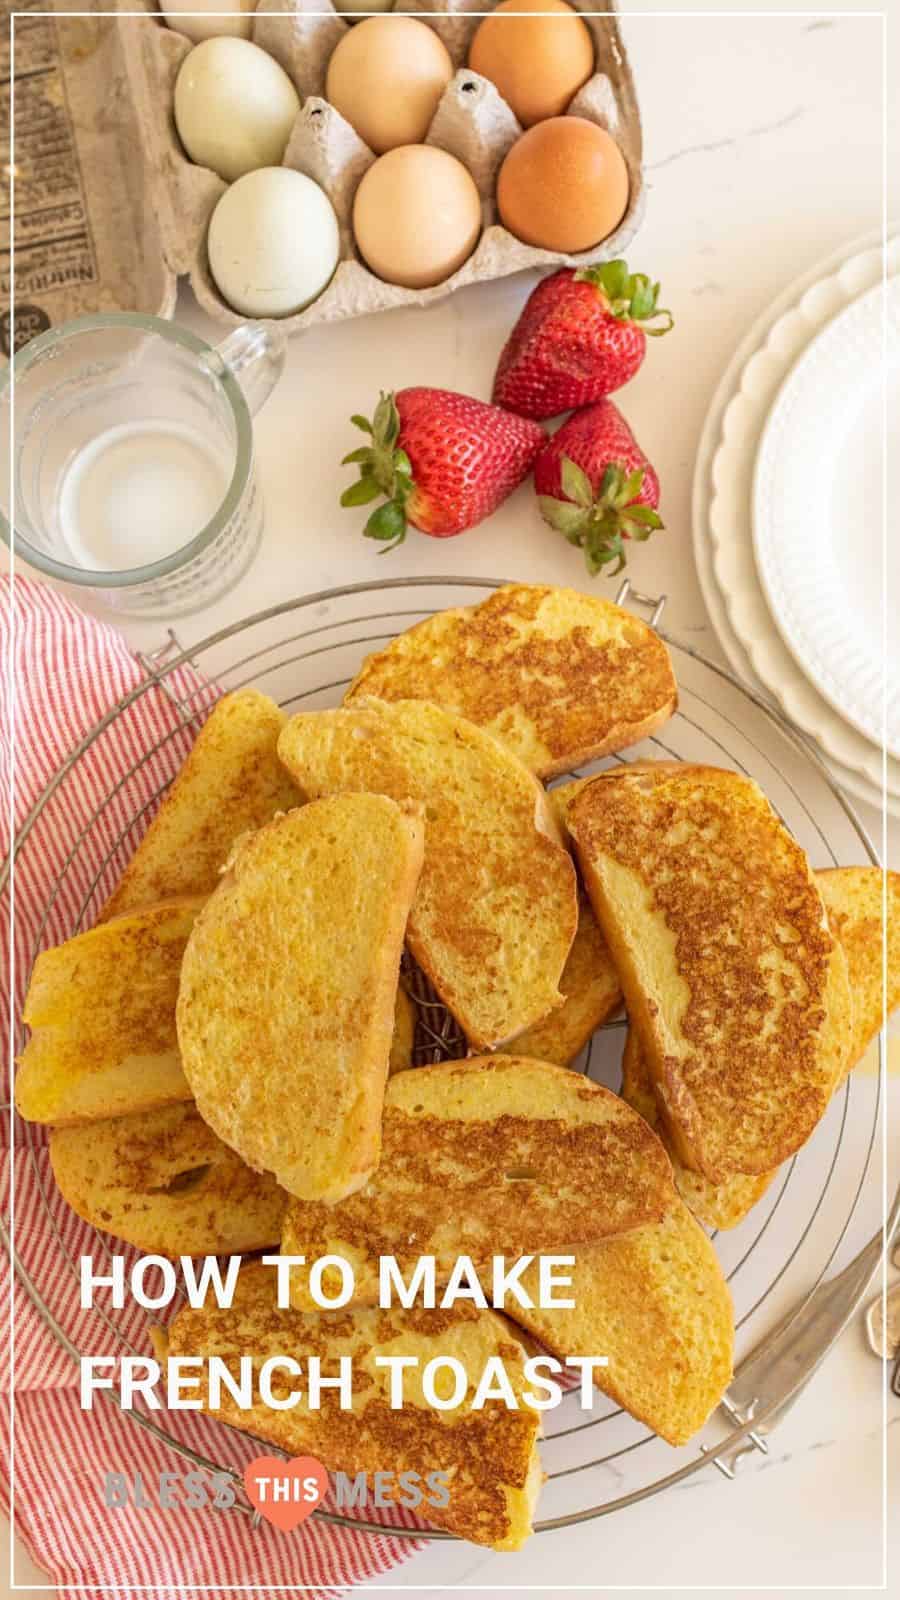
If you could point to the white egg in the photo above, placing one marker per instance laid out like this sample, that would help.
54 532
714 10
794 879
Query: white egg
197 28
273 242
234 107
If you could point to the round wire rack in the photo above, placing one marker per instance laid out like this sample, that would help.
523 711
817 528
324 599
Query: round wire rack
303 653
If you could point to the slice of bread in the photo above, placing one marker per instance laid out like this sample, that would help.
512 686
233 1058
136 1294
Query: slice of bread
716 1205
561 677
404 1035
496 910
286 1004
853 900
655 1302
486 1157
490 1455
101 1009
162 1181
736 986
231 783
591 994
855 905
589 982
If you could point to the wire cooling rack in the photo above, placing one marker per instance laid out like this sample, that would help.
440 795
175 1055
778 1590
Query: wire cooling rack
303 653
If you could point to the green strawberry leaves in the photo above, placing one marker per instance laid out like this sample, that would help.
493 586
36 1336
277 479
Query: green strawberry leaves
386 422
361 492
600 524
630 296
384 469
387 523
576 485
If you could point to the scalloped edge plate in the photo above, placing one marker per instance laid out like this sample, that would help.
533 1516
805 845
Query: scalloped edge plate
817 527
734 599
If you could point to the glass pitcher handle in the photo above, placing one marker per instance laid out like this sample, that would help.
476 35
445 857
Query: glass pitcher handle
254 354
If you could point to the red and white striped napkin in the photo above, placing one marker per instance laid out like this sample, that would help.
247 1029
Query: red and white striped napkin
68 672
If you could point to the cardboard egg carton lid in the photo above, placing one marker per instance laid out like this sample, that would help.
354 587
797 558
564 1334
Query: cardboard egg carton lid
86 238
472 122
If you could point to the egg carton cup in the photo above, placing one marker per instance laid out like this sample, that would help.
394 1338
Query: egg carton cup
472 122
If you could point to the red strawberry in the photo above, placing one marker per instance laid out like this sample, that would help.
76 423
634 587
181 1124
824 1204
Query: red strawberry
594 484
578 338
443 460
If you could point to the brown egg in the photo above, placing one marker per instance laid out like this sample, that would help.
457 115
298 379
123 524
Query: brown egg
416 216
563 185
386 78
537 62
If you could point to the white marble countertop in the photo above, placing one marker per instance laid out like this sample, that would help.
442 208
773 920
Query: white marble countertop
763 153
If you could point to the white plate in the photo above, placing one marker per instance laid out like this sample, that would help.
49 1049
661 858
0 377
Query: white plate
722 510
818 512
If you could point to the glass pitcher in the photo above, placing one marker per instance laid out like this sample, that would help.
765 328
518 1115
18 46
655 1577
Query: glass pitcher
132 471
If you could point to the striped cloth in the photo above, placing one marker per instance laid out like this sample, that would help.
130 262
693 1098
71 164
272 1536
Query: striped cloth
69 670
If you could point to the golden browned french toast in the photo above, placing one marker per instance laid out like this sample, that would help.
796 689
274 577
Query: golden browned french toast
736 986
101 1009
853 899
496 910
716 1205
655 1302
288 984
591 993
855 902
484 1157
561 677
404 1035
589 982
489 1455
231 783
162 1181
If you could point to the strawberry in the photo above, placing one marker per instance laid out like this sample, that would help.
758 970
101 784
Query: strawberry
579 338
443 461
596 486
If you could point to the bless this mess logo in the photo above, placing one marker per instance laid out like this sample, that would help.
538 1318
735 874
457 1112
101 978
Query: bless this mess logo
284 1492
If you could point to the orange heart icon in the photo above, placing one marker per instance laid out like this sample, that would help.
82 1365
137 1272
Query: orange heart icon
285 1492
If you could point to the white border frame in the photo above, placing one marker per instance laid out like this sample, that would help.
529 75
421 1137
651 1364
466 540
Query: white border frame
178 1589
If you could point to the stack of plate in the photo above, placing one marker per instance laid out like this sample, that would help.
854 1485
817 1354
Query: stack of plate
790 517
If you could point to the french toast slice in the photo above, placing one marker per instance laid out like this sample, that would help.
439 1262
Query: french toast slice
162 1181
655 1302
490 1455
736 986
591 994
716 1205
853 900
231 783
286 1003
589 982
404 1036
101 1009
489 1156
559 676
496 909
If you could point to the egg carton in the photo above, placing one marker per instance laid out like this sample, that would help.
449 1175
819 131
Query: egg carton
84 240
472 122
